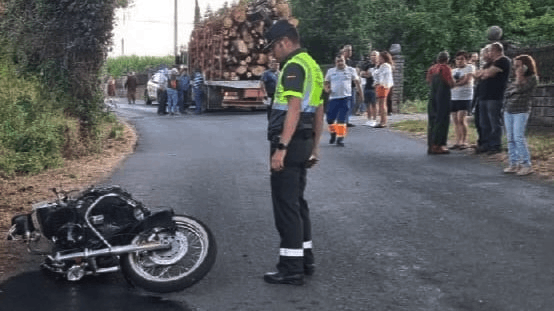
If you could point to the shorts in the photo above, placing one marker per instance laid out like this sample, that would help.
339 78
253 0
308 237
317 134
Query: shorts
459 105
369 97
382 92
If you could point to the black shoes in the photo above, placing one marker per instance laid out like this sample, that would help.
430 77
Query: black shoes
333 138
350 125
481 149
340 142
280 278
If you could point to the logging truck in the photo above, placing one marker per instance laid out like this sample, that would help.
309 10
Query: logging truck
228 49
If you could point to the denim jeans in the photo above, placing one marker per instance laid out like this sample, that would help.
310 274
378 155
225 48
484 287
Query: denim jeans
490 119
172 100
351 105
517 144
198 96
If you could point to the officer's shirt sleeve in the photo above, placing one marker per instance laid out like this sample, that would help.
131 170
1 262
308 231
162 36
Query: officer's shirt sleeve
293 80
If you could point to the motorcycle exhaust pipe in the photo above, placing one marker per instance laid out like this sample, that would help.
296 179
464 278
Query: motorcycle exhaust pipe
116 250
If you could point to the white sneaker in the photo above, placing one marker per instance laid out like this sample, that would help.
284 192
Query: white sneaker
371 123
525 170
368 123
511 169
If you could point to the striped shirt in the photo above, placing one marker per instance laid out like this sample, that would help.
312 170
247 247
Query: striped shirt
198 81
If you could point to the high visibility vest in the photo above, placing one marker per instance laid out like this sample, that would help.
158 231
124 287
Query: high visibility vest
310 95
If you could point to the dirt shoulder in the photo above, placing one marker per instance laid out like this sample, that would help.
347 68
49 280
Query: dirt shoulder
18 193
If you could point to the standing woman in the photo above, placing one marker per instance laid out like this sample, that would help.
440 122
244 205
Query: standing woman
383 83
462 94
439 77
516 113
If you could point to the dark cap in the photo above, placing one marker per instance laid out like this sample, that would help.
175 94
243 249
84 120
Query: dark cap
280 29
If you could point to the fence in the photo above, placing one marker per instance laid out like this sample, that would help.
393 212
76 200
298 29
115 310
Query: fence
544 57
542 113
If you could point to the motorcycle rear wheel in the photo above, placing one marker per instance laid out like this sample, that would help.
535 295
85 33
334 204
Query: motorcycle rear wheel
190 258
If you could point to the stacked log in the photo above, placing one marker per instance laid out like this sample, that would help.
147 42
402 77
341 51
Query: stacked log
229 46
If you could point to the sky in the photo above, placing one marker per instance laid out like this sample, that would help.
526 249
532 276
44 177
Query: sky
146 27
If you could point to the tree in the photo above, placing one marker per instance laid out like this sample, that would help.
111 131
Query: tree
196 13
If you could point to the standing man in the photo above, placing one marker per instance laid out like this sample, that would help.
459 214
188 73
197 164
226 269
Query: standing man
131 86
369 90
294 130
338 83
352 107
269 79
172 92
494 82
439 77
184 86
198 91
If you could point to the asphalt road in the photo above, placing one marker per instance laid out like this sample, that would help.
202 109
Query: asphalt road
394 228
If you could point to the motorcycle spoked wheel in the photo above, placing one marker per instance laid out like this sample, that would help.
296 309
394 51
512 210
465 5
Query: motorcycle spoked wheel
190 258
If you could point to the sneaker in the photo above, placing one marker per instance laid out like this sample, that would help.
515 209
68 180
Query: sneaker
512 169
370 123
333 138
525 170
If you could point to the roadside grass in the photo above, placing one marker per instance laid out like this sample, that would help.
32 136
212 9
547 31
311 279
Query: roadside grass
541 143
413 106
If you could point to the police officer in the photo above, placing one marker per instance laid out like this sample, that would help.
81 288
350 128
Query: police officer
294 130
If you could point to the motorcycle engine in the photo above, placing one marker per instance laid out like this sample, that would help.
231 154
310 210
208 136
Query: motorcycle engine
61 225
70 235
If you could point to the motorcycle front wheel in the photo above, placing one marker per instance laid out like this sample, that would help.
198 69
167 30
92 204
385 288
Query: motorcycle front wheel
190 258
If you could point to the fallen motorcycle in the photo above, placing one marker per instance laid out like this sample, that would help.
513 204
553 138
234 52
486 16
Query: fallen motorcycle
104 229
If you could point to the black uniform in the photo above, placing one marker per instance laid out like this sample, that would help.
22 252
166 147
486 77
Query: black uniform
290 209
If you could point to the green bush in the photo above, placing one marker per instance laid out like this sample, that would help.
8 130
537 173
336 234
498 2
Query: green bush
31 128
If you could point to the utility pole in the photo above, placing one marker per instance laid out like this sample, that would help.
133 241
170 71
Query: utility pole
176 50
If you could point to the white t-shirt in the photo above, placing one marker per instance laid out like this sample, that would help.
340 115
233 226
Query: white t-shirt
341 81
464 92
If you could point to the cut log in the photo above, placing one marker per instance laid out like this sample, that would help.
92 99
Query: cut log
227 22
293 21
262 59
256 70
228 45
245 35
282 10
241 70
239 14
240 47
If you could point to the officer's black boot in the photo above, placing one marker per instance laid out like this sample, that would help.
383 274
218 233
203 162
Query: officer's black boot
333 138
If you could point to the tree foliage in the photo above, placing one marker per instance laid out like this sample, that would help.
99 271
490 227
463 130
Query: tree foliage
422 27
65 42
51 55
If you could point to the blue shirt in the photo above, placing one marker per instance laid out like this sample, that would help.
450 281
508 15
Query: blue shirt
269 78
184 83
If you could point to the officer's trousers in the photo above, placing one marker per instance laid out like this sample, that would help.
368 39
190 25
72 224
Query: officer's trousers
290 209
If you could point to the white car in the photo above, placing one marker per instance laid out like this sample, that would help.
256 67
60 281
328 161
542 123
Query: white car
155 85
